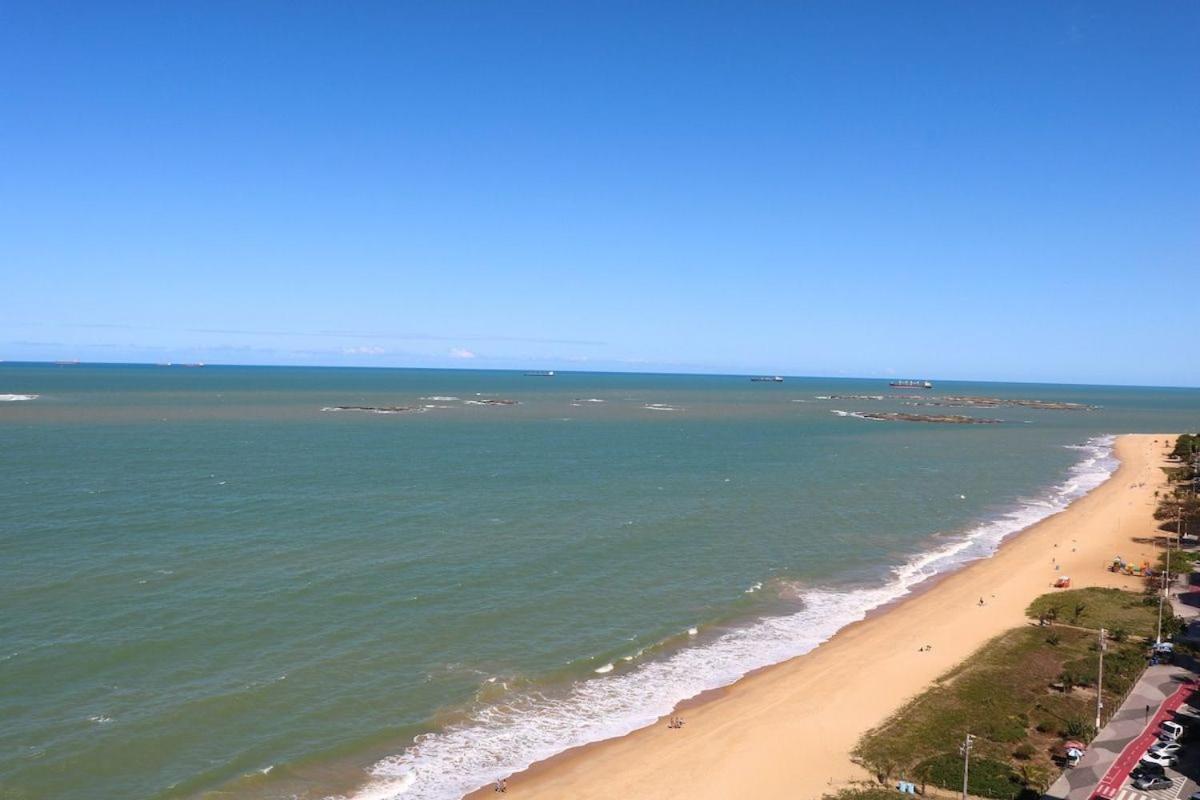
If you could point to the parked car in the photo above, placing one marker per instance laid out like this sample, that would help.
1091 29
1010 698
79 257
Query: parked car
1170 730
1147 770
1162 761
1150 783
1165 749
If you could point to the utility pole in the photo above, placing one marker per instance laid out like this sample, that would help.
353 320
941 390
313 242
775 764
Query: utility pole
1100 681
966 751
1166 579
1163 593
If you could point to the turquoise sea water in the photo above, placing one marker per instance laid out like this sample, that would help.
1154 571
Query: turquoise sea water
211 587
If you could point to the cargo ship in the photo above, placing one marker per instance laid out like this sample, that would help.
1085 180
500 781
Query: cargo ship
768 379
911 384
549 373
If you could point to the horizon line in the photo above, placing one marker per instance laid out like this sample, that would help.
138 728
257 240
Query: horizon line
556 371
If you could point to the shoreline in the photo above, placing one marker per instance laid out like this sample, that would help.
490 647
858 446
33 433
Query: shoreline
787 729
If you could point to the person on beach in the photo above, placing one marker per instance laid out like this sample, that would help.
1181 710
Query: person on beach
981 601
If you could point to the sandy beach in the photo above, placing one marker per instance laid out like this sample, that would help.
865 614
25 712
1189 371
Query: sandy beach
787 731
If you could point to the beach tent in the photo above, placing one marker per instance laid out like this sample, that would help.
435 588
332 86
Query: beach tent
1063 582
1072 751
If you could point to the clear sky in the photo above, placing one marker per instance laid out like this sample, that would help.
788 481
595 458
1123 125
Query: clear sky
948 190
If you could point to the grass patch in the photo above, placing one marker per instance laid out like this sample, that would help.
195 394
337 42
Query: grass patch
863 794
1022 694
1097 608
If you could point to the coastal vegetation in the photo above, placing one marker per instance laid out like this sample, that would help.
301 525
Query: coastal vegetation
1187 447
863 793
1123 614
1179 508
1049 674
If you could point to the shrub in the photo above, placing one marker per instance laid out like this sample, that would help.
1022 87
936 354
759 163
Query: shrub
987 778
1024 751
1077 728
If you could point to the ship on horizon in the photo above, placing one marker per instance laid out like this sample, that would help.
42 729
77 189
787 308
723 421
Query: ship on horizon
549 373
768 379
908 384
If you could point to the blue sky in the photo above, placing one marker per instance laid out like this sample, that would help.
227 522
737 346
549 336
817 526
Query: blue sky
953 190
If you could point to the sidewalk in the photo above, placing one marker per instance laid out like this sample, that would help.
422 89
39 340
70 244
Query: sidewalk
1110 757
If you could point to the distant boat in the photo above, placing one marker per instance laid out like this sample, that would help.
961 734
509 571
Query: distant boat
545 374
73 363
911 384
768 379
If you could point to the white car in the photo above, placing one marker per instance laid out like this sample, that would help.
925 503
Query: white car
1170 730
1161 761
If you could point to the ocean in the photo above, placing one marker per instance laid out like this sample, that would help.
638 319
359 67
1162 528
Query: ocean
215 584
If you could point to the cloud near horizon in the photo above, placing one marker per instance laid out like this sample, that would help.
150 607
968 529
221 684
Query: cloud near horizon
364 350
460 352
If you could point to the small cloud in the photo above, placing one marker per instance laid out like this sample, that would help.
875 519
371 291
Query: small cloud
458 352
364 350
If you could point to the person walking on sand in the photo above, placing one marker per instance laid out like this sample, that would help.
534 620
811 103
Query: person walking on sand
981 601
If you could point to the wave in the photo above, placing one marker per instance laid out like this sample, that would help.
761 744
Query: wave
13 398
501 739
855 414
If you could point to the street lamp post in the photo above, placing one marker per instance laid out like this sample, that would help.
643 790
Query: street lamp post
1166 578
1100 680
966 751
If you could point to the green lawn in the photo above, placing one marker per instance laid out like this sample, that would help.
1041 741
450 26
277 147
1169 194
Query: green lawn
1113 609
864 794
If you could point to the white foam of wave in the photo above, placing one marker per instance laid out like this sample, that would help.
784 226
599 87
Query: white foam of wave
660 407
499 740
855 414
14 398
440 398
606 668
